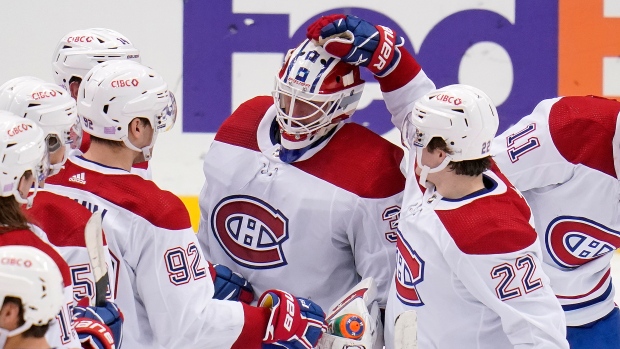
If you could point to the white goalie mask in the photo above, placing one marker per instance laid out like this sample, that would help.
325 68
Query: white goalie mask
114 93
22 148
32 276
49 106
80 50
313 93
463 116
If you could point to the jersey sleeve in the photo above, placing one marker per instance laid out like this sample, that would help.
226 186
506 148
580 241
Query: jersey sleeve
405 85
527 155
372 235
514 286
173 280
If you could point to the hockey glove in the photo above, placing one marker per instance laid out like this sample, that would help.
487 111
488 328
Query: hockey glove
231 286
294 323
99 327
358 42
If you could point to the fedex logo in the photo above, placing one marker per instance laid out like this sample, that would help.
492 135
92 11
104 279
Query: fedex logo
16 261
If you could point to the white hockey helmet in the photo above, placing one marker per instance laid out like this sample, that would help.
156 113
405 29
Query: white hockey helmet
32 276
114 93
463 116
325 86
22 148
50 106
81 50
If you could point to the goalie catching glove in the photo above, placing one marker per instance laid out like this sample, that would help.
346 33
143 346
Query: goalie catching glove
358 42
294 323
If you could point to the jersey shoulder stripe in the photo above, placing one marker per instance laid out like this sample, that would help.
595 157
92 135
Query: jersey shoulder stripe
583 128
491 224
240 127
61 218
29 238
358 161
131 192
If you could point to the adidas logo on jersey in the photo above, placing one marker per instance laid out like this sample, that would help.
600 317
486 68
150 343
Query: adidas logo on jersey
78 178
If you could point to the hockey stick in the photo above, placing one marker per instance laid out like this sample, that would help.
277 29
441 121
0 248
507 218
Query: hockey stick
406 331
94 244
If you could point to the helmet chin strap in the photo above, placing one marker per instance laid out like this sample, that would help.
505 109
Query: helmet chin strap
146 151
5 334
425 169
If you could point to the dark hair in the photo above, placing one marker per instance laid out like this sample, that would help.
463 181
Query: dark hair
11 215
34 331
116 144
467 167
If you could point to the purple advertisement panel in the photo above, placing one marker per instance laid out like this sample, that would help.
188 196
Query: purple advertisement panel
212 33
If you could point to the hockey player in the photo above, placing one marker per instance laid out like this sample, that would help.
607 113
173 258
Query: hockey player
79 51
63 220
564 158
295 198
163 284
31 295
468 260
25 165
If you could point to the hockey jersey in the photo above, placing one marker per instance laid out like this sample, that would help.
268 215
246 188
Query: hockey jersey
314 227
164 287
61 333
564 158
471 269
63 220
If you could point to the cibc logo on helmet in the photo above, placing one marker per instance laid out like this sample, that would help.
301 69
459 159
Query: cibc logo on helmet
27 263
125 83
80 39
18 129
44 94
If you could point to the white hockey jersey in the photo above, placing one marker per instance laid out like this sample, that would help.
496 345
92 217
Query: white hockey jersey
471 270
163 285
60 333
314 227
471 267
564 158
63 221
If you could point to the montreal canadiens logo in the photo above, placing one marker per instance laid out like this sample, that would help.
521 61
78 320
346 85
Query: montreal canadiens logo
409 272
573 241
250 231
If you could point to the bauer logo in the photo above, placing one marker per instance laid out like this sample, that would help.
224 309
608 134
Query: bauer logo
250 231
508 41
573 241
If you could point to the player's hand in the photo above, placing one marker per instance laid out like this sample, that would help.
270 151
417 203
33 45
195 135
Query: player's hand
231 286
295 323
99 327
358 42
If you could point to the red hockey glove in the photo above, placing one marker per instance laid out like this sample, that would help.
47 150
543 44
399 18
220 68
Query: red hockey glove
295 323
358 42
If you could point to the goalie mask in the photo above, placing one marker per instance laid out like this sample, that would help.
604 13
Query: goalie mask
50 107
80 50
463 116
313 93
